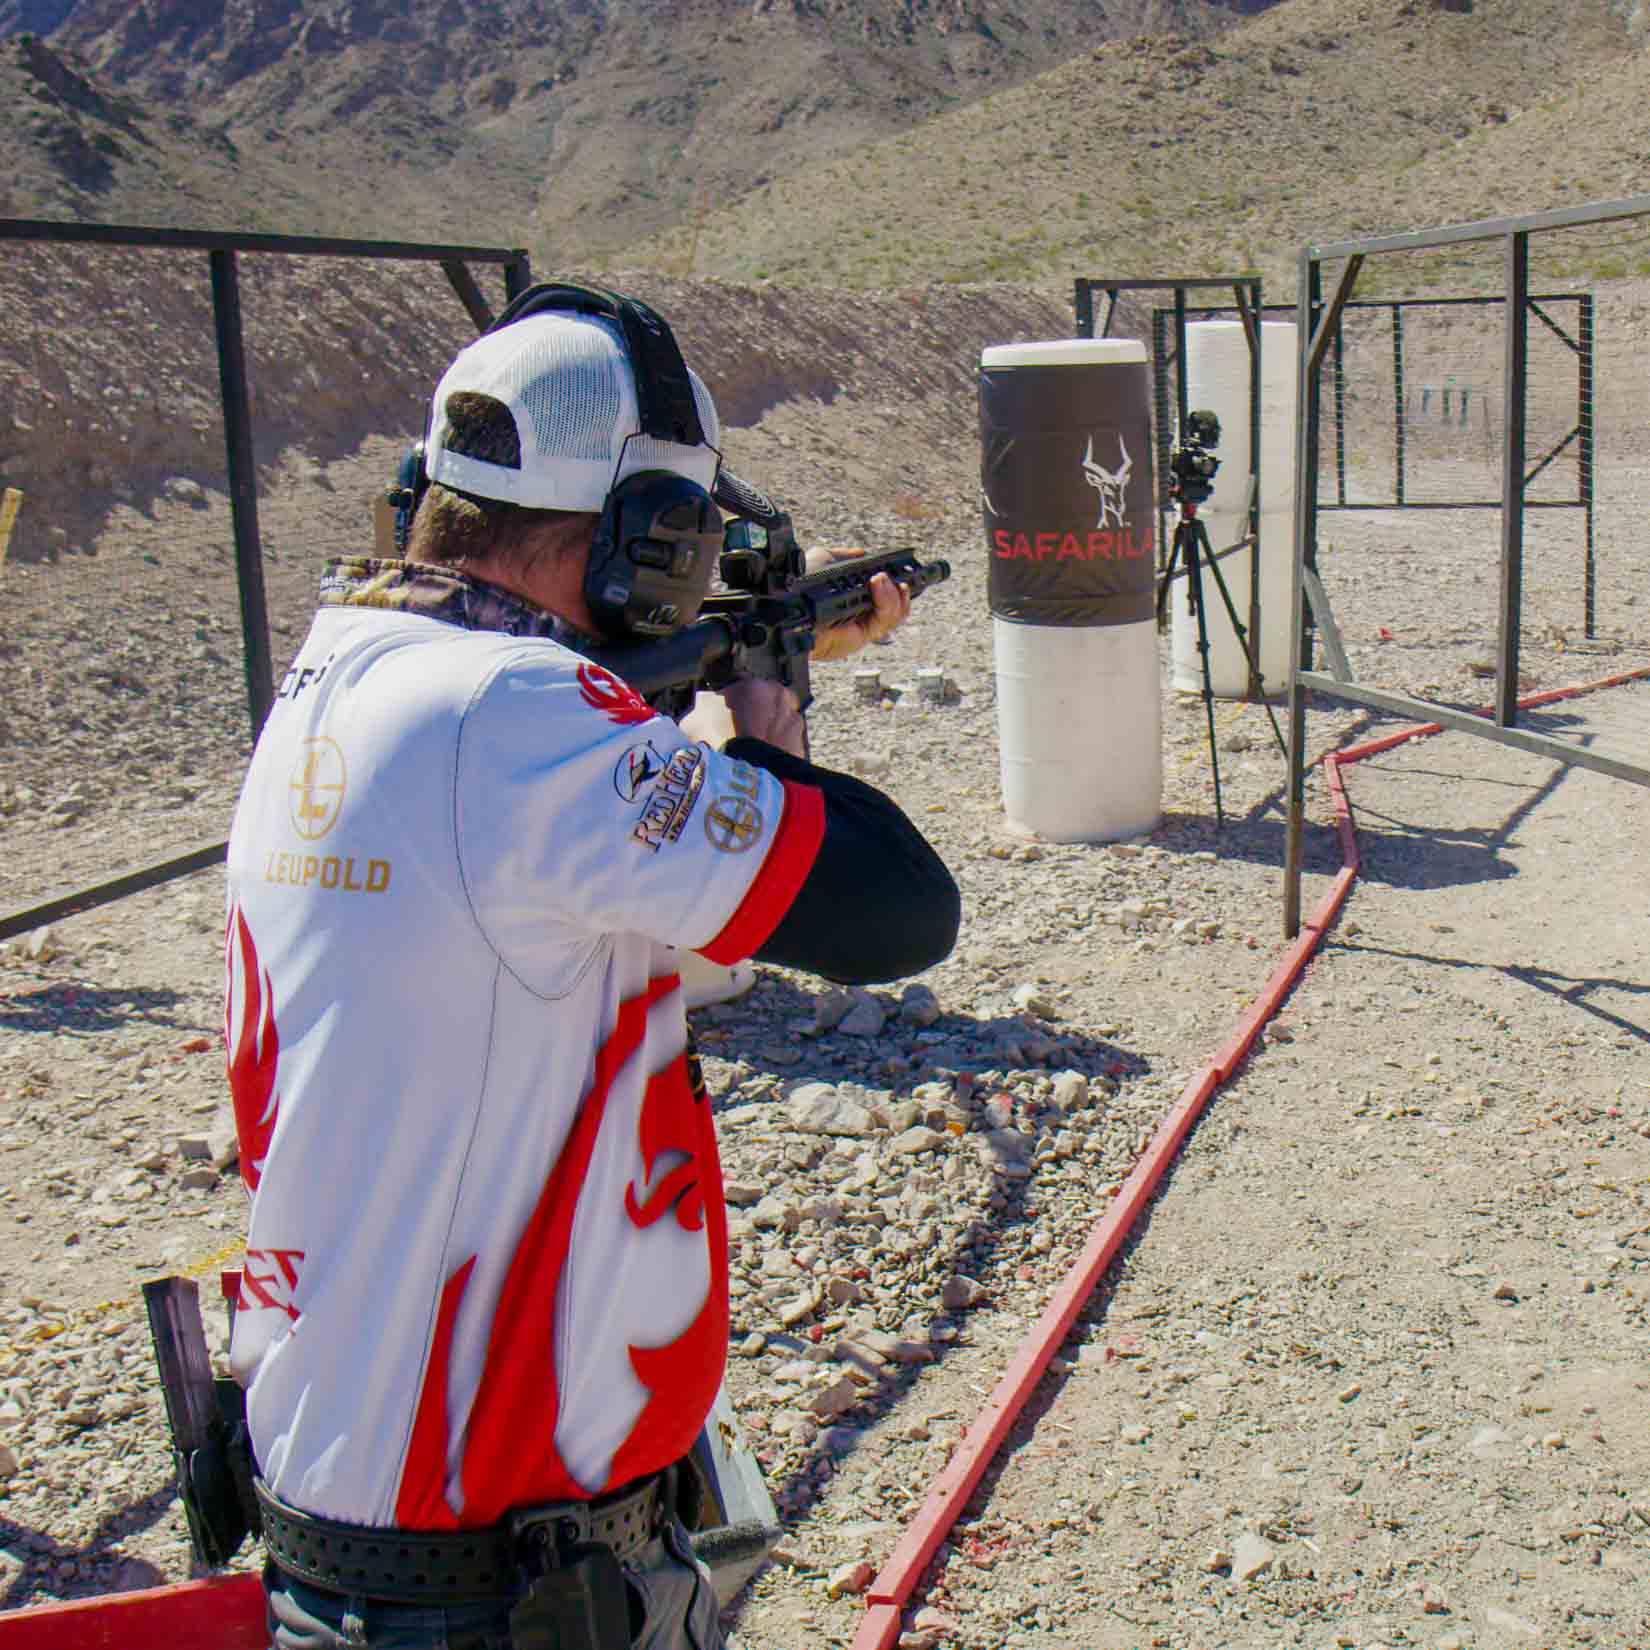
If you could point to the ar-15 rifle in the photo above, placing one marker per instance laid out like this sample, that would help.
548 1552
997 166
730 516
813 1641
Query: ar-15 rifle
764 623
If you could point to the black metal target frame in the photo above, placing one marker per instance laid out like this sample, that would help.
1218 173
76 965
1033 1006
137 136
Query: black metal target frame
1319 320
223 250
1579 339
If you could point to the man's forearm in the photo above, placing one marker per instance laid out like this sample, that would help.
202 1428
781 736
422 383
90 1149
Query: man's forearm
878 903
767 711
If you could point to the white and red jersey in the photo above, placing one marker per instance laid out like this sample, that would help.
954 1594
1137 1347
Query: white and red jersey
486 1265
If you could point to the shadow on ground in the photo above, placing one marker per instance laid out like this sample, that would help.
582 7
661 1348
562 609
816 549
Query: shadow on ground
769 1030
745 1032
65 1005
1395 852
1579 991
43 1556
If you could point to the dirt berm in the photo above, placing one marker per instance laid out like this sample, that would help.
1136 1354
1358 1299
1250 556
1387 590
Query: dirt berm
109 376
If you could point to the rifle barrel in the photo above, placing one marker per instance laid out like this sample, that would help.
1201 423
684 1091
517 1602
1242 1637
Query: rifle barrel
843 591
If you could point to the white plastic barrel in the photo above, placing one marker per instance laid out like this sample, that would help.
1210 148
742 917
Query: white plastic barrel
1217 378
1080 728
1070 518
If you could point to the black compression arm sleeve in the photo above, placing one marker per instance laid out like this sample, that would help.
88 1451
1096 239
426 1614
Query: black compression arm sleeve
878 904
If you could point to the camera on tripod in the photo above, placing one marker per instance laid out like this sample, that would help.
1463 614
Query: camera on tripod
1192 464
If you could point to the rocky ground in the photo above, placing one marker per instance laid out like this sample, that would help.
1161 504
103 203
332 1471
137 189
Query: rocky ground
1372 1373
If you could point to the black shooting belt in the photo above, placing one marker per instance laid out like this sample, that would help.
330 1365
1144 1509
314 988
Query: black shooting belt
437 1568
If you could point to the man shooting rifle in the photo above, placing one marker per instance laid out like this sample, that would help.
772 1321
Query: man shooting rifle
484 1312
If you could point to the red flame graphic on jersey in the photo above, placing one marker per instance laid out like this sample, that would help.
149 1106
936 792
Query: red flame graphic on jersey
509 1448
603 691
253 1046
670 1123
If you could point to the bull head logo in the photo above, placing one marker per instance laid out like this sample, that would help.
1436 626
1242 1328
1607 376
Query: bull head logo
1109 484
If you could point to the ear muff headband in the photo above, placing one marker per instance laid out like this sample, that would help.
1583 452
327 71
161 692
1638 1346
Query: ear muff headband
664 392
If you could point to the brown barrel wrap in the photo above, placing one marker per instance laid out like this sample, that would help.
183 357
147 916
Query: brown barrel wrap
1067 492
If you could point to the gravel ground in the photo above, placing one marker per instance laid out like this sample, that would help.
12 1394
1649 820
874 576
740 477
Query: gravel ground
1373 1373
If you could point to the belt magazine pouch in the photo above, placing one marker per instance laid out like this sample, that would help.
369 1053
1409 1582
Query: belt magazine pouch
580 1604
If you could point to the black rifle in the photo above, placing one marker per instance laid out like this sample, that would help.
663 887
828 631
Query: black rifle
764 624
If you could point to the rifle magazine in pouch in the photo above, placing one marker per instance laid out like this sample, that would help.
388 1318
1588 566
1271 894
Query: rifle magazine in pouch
583 1603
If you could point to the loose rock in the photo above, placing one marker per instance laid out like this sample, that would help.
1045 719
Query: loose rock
819 1108
1251 1558
850 1578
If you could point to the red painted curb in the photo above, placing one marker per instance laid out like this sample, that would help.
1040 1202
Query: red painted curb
219 1613
1576 689
1284 976
882 1620
950 1492
897 1580
1343 812
1425 730
1374 747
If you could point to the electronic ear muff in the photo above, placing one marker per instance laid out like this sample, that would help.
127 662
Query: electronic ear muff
412 482
656 549
659 536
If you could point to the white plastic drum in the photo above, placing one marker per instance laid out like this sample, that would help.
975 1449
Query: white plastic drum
1081 737
1217 378
1066 474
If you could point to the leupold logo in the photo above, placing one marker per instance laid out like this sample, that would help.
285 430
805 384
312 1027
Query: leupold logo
733 824
1109 484
315 791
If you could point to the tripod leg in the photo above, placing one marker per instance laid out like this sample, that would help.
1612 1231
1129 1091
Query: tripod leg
1177 558
1194 586
1238 628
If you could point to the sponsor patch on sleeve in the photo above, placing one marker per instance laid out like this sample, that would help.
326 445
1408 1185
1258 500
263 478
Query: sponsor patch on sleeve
616 700
636 770
734 823
674 796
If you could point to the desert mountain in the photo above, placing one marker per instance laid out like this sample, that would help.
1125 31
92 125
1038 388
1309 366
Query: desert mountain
857 142
1318 120
566 124
71 148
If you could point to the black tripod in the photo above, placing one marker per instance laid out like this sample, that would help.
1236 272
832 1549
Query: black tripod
1190 553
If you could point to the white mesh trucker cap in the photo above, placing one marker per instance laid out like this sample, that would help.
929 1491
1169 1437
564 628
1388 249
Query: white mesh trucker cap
571 391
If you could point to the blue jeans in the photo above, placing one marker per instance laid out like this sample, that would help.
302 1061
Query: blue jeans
672 1607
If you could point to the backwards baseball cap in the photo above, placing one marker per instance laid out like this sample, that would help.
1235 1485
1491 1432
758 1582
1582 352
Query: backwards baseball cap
567 377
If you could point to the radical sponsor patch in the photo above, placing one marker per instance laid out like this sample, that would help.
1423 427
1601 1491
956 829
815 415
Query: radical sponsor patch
671 802
618 701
